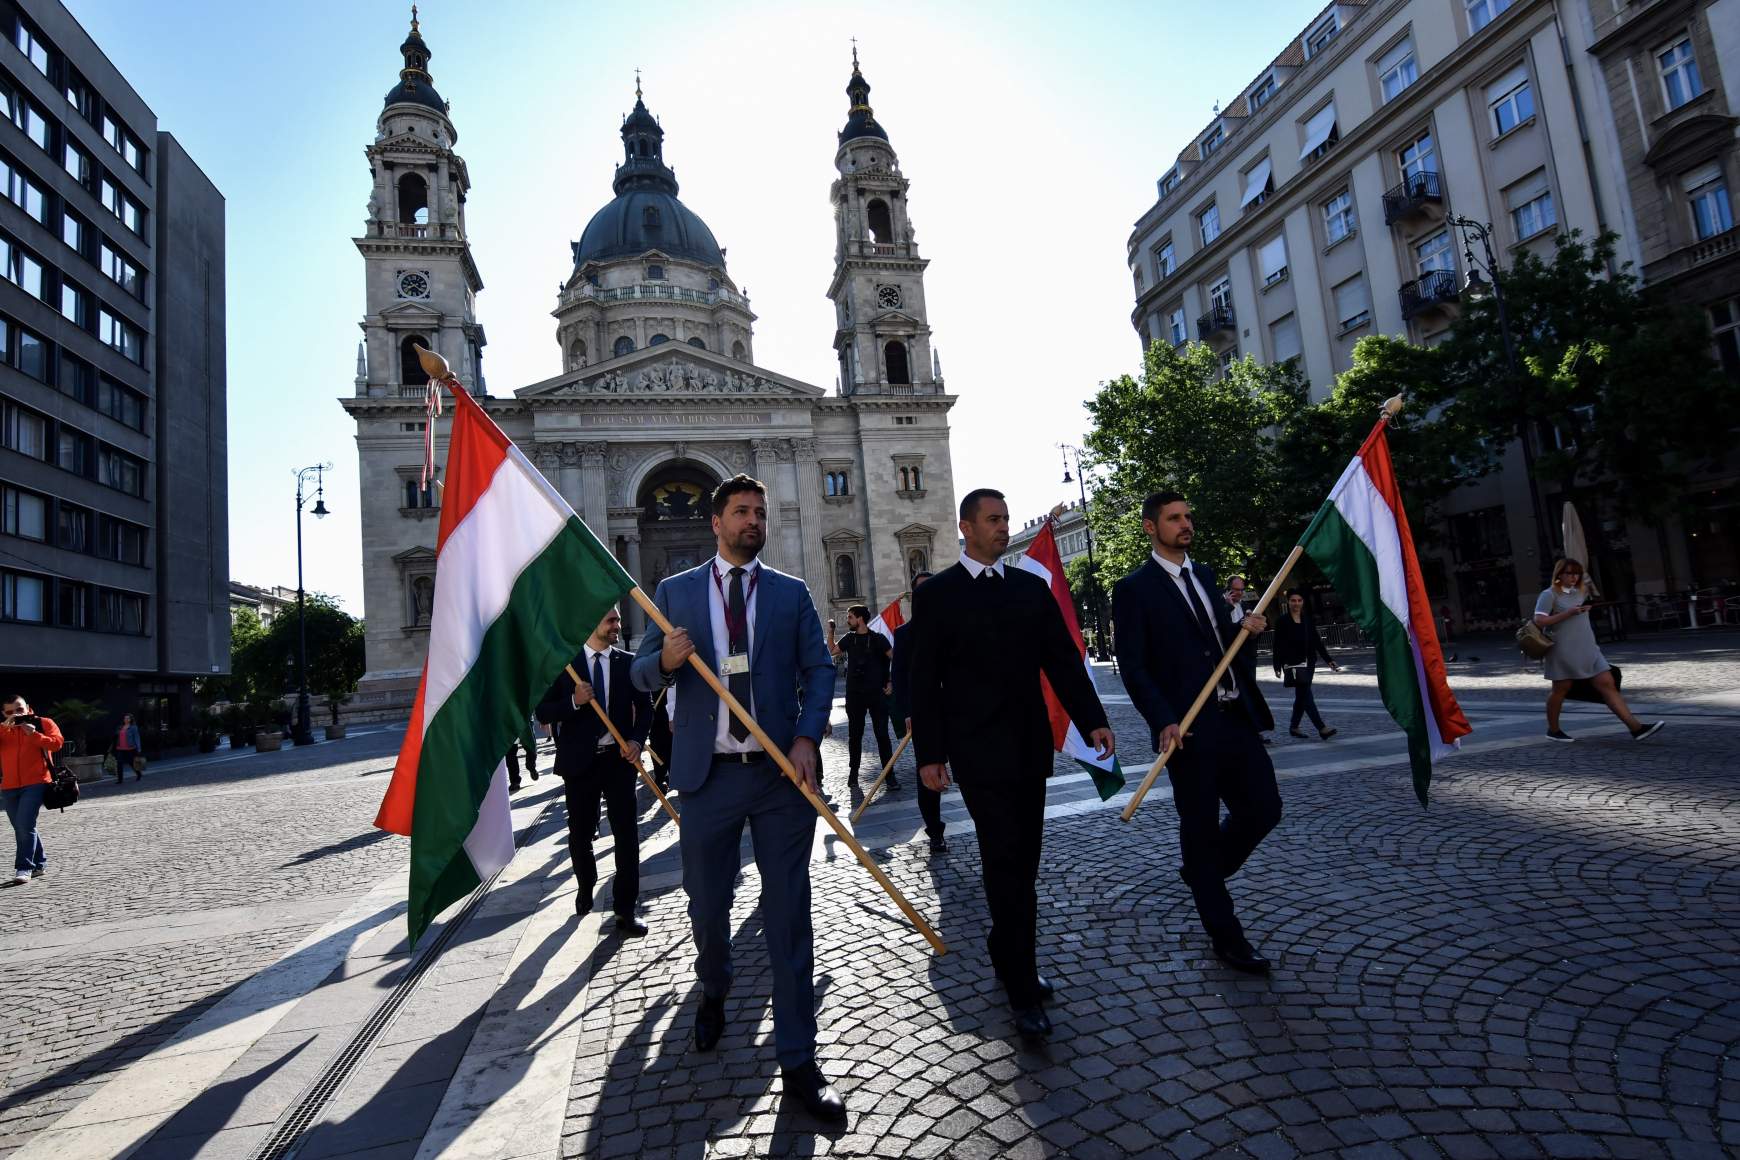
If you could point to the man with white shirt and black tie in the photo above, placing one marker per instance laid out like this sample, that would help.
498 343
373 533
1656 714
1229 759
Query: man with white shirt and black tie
590 764
1173 628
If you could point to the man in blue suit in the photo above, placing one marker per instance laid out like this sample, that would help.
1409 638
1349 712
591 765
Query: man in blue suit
1173 628
758 631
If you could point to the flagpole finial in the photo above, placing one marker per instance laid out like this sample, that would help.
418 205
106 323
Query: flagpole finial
1392 406
1056 512
433 364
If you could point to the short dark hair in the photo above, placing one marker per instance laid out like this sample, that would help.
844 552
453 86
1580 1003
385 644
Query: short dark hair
739 482
12 698
970 505
1152 505
921 574
1238 577
861 611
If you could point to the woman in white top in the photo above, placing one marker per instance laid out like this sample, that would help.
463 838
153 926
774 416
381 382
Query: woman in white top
1575 656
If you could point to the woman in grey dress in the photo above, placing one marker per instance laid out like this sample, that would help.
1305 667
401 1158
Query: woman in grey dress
1575 656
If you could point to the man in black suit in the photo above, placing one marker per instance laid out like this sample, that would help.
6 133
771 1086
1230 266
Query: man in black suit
929 800
984 634
1173 628
590 764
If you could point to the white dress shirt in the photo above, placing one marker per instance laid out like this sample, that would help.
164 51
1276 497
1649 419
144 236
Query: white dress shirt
976 569
1183 574
600 693
717 592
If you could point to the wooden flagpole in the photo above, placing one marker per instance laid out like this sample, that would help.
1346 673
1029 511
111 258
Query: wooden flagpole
786 767
623 742
877 784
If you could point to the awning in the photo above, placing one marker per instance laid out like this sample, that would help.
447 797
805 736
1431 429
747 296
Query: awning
1318 129
1256 182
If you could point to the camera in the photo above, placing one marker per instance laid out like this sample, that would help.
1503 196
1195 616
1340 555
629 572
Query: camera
25 719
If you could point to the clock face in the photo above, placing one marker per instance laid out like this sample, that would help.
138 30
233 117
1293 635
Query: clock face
413 284
888 297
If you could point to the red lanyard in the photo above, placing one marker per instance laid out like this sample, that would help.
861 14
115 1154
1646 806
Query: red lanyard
730 621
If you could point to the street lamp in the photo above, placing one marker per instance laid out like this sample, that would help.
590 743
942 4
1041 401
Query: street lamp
1477 288
1080 478
303 734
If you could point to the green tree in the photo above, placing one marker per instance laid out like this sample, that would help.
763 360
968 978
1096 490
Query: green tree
335 651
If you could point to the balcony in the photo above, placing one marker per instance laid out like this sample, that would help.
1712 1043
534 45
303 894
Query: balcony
1719 247
1412 196
1429 291
1216 321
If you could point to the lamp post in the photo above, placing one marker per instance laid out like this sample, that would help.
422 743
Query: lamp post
303 734
1080 478
1475 289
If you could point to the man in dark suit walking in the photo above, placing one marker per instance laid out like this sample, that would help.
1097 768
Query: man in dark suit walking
757 629
590 764
1172 631
929 800
984 635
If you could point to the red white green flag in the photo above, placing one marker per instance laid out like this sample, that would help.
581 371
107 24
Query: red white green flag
1044 561
1361 540
520 583
887 621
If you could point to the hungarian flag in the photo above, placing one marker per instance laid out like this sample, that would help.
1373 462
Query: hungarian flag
887 621
1360 539
520 583
1042 559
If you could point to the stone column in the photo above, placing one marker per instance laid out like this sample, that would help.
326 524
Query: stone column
549 461
569 484
814 560
594 486
763 464
630 609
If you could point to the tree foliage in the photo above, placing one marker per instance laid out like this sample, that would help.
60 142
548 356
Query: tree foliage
263 658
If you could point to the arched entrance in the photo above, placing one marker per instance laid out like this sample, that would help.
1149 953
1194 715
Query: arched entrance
676 526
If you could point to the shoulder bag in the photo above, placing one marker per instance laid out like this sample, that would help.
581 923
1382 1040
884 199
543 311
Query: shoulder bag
63 791
1533 640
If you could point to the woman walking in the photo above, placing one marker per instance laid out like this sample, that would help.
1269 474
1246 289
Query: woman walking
127 754
1575 656
1297 647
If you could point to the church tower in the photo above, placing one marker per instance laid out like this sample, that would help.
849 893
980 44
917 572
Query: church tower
421 281
882 336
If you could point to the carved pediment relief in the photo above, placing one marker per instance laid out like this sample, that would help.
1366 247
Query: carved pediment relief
672 369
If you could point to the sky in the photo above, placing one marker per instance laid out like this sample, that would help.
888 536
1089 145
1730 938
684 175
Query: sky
1033 135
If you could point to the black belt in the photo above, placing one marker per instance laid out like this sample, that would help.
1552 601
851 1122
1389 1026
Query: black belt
749 758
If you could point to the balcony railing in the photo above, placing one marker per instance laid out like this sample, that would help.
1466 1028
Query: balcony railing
1432 289
1415 193
653 290
1714 248
1215 321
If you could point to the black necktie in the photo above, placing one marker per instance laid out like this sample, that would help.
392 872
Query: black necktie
598 689
740 684
1209 627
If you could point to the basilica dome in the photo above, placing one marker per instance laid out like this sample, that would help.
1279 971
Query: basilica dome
646 214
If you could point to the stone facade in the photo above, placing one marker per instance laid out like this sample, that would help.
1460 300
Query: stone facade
659 398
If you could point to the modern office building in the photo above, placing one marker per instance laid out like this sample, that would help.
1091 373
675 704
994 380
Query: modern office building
1314 210
114 556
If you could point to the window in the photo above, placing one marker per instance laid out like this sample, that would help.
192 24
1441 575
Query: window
1416 157
30 355
75 305
1138 276
24 193
1284 337
120 540
1679 72
23 513
21 597
75 162
133 153
22 270
1258 185
697 343
1220 295
894 355
72 604
1725 326
77 379
1215 139
1352 303
73 231
1320 133
120 471
123 272
77 95
1227 358
1482 534
658 340
1169 181
1321 34
1165 261
845 576
1208 224
112 132
1510 101
421 498
1261 94
838 483
1531 206
1483 12
624 345
74 532
24 431
655 273
1272 260
121 336
1434 253
120 612
72 450
32 48
1397 69
880 221
31 121
110 195
120 403
1338 221
1175 327
1707 194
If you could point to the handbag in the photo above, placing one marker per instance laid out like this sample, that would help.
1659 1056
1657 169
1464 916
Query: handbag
110 765
63 790
1534 640
138 763
1584 690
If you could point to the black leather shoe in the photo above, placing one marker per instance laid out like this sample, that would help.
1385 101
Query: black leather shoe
852 778
815 1093
1033 1023
1241 956
891 785
1046 988
939 845
513 787
582 903
629 927
709 1023
1326 734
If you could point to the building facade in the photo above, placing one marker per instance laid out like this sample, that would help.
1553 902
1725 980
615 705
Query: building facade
659 397
1315 208
114 550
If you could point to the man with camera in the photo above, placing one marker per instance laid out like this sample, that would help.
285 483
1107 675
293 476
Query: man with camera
26 740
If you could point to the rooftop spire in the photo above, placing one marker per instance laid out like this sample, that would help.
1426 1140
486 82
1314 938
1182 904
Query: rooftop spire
413 18
860 118
415 84
643 142
637 86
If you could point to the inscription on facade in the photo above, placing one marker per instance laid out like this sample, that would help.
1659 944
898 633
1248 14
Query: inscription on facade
679 419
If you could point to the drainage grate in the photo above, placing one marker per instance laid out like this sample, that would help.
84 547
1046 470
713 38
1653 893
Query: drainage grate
288 1135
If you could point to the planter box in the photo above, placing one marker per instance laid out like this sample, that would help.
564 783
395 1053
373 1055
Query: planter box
268 742
335 732
85 768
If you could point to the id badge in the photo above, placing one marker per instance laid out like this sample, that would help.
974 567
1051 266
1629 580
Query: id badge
735 665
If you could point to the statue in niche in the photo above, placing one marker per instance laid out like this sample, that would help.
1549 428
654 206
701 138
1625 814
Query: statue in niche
679 501
422 599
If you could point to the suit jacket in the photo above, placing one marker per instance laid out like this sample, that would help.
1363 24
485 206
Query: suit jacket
978 649
900 675
578 731
1164 655
792 674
